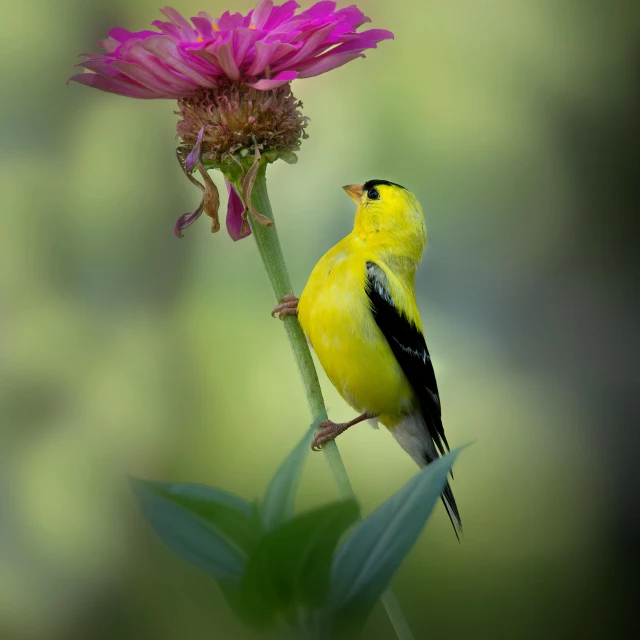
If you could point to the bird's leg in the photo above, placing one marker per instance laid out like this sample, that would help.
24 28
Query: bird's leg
330 430
288 307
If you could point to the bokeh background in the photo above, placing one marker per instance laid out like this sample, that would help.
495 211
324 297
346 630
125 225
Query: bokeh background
124 350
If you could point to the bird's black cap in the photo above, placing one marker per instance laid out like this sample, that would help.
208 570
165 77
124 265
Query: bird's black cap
374 183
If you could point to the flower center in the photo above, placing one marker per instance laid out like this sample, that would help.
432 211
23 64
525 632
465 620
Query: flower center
235 118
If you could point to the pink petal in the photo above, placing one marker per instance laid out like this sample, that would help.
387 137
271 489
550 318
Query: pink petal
235 209
310 46
328 63
141 56
167 50
122 35
280 79
281 14
204 27
267 54
364 40
108 44
320 9
261 13
227 61
112 85
145 78
352 16
105 68
184 27
168 29
230 21
243 40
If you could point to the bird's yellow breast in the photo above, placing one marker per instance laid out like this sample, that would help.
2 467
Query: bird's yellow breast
335 316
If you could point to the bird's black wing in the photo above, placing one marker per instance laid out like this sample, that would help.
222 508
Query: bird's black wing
410 349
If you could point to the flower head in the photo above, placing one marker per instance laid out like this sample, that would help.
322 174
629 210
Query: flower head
269 47
231 77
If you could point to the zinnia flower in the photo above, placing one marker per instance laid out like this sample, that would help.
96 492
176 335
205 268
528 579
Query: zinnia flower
231 77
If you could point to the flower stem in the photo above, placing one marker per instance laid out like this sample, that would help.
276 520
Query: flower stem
271 253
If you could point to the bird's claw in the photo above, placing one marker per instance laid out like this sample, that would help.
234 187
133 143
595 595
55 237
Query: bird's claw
288 307
328 431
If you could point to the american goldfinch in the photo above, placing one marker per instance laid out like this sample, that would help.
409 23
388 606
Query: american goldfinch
359 313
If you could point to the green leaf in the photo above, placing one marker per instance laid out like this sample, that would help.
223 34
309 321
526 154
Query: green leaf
289 157
365 562
292 564
211 529
278 502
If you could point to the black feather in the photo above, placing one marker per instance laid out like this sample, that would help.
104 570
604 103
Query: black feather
410 349
375 183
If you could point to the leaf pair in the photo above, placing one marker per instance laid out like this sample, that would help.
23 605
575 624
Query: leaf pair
268 563
271 565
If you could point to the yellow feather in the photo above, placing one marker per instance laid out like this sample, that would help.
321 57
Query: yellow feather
334 307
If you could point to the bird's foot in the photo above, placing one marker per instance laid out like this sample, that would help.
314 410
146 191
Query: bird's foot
288 307
328 430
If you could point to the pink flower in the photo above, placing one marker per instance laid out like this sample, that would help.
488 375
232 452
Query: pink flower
231 77
269 47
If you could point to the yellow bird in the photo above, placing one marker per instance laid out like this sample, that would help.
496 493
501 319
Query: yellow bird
359 314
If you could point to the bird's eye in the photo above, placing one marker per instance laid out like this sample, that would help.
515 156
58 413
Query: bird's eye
373 194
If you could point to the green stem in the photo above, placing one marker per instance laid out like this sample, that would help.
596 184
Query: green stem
271 253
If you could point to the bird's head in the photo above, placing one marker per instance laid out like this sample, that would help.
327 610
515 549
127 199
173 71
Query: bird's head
389 216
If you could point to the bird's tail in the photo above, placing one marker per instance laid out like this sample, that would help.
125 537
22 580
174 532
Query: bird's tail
412 435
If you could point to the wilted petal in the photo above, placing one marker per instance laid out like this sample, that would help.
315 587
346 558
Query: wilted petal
247 189
211 198
187 219
194 157
237 225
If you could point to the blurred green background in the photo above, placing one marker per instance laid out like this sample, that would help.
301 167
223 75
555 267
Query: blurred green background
124 350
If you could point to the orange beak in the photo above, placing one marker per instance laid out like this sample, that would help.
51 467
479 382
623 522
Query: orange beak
354 191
